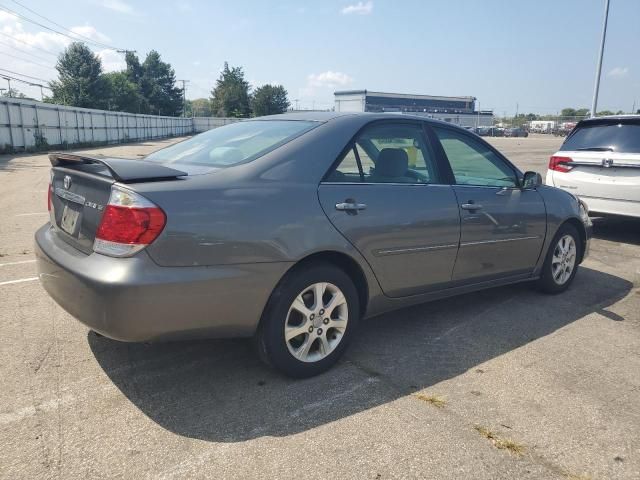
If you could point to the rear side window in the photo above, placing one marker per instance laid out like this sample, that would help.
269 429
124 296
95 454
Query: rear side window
230 145
615 137
387 153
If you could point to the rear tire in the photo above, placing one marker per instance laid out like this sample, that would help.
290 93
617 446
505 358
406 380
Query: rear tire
309 320
561 264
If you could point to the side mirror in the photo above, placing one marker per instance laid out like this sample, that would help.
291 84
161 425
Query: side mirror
531 180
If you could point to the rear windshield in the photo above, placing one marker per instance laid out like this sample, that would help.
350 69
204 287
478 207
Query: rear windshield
230 145
615 137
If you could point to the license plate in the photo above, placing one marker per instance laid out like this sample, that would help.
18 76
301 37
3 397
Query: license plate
69 219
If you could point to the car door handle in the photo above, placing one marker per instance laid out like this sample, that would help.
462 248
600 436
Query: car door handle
471 206
350 206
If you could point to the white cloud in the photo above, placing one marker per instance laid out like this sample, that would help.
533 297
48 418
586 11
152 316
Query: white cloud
328 79
118 6
111 61
618 72
360 8
25 52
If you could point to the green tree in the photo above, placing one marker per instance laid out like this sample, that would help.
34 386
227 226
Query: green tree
199 107
603 113
568 112
15 93
158 86
230 97
80 81
269 100
122 94
582 112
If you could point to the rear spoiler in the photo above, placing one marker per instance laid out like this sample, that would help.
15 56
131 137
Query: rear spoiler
121 169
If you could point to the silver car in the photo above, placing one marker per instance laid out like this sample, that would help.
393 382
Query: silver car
292 228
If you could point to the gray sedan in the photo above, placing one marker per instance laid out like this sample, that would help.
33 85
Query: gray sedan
292 228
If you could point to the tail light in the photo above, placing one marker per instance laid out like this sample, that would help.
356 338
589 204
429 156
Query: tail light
560 164
130 222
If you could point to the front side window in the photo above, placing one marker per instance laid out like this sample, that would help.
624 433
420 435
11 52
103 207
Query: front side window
473 163
387 153
230 145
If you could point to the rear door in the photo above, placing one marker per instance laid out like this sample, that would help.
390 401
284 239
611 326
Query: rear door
601 160
502 226
386 196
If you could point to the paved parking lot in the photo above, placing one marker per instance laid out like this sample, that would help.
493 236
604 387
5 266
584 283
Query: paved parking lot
505 383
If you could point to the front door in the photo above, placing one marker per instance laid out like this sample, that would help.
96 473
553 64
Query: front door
502 226
385 196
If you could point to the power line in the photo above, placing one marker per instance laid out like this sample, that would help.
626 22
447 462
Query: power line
94 42
27 60
29 45
24 52
56 24
23 75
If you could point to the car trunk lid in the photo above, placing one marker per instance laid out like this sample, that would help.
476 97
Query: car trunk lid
81 187
601 174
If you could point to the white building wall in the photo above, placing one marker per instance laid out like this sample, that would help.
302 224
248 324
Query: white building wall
350 103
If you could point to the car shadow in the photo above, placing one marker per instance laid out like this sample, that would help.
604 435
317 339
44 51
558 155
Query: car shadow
218 390
617 229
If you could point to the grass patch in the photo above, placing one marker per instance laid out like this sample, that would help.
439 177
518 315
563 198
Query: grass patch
500 443
432 399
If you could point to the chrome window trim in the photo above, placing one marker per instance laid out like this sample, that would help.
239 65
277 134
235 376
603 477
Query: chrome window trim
387 183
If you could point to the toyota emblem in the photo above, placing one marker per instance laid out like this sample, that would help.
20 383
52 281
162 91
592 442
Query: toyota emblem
67 182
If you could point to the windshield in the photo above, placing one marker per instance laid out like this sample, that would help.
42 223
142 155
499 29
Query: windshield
614 137
230 145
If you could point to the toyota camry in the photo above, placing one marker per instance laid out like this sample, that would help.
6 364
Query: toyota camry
292 228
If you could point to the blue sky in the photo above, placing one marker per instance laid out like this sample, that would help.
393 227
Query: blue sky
538 54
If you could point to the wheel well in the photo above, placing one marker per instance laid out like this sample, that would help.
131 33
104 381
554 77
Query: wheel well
581 231
349 266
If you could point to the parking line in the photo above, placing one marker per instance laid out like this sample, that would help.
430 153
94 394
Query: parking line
29 214
16 263
30 279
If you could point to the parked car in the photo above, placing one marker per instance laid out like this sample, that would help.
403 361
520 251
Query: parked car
600 162
516 132
291 228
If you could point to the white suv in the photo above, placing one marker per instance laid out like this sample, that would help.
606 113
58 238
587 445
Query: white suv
600 163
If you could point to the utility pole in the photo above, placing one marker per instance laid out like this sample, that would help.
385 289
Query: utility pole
9 82
596 88
296 100
184 97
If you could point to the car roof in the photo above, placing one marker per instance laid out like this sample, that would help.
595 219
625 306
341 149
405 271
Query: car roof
634 118
358 117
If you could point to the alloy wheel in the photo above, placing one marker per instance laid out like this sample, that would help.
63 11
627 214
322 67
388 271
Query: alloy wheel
564 259
316 322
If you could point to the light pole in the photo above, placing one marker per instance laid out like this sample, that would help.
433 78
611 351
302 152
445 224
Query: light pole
596 88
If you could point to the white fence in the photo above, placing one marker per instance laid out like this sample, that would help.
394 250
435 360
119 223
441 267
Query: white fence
202 124
31 125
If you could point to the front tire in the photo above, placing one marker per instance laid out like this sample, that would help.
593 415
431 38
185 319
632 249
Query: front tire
309 320
561 263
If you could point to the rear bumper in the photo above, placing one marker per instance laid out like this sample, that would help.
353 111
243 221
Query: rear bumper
134 299
610 206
